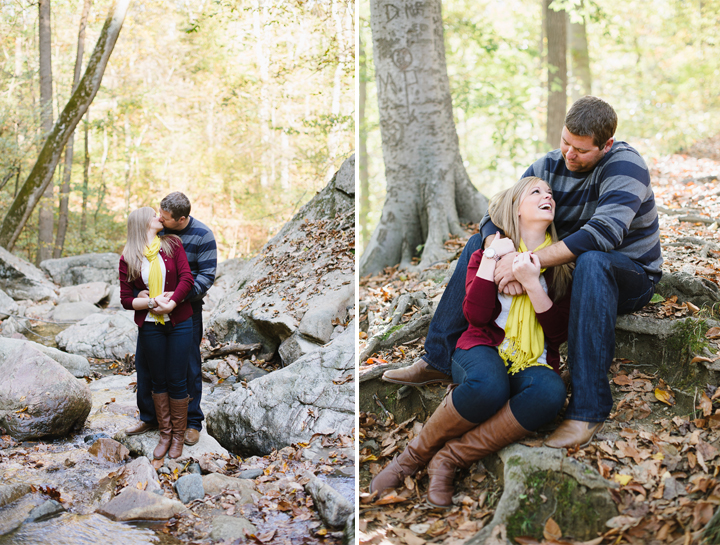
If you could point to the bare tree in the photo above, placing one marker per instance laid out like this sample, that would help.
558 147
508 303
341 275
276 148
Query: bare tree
67 172
42 172
428 190
362 149
579 56
556 73
45 216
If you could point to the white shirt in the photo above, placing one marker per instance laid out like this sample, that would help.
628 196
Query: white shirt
501 320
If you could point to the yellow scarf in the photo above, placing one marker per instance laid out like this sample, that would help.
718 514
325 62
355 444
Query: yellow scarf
524 337
155 283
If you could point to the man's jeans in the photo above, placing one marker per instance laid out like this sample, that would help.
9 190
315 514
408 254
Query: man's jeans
605 284
194 380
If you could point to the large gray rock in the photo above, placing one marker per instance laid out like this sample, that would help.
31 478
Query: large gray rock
333 507
145 443
229 529
215 483
290 405
74 312
134 504
77 365
81 269
38 397
92 292
295 347
7 305
695 289
140 472
23 280
307 269
189 488
101 335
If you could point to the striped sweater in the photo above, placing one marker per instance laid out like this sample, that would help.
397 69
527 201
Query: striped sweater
199 244
611 207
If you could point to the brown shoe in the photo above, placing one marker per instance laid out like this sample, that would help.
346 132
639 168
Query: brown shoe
139 428
192 436
417 374
573 433
178 417
162 411
445 423
496 432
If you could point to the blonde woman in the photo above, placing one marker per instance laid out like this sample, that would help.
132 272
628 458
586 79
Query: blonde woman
506 362
164 321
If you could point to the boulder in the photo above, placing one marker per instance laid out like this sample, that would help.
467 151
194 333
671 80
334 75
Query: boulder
15 328
101 335
140 472
38 397
688 288
11 492
333 507
145 443
45 511
304 275
7 305
77 365
92 292
23 280
81 269
114 298
290 405
74 312
189 488
109 450
230 529
215 483
134 504
295 347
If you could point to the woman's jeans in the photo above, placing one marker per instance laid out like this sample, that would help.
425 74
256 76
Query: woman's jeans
605 284
166 349
536 394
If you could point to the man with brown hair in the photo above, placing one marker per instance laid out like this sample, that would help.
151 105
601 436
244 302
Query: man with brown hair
607 223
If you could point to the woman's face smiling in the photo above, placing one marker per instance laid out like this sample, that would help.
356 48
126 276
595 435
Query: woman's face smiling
537 203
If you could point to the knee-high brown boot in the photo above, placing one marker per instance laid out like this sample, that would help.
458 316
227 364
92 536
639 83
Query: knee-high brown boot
445 423
178 416
162 409
498 431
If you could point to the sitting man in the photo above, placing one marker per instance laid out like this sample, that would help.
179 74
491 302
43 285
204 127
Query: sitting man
607 223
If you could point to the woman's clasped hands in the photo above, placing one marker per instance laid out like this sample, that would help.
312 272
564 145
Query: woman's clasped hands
526 268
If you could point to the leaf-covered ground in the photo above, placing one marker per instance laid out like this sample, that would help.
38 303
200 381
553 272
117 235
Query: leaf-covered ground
667 465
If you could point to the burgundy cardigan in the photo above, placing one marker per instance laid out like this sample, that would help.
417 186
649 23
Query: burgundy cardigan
178 279
482 307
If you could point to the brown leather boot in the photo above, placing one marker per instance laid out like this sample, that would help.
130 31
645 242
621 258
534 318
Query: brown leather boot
445 423
178 416
162 410
417 374
498 431
139 428
573 433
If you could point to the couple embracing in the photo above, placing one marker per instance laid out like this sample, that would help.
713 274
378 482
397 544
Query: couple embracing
569 247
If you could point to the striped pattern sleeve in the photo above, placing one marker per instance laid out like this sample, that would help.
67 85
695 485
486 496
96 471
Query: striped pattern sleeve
201 249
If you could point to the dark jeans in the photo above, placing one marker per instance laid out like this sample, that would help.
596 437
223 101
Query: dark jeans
605 284
536 394
166 348
194 379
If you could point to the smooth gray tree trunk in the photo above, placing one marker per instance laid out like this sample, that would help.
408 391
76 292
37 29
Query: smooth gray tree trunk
428 190
557 73
42 172
362 150
46 214
86 174
579 58
67 171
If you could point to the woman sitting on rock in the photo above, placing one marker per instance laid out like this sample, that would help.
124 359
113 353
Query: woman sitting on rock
159 264
506 362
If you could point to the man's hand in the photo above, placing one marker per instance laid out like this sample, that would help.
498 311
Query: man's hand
526 268
504 277
144 294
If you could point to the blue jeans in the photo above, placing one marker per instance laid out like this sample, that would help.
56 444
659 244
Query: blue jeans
194 379
166 349
605 284
536 394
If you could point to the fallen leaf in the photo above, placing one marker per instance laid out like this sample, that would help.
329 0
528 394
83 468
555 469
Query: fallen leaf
664 396
265 537
622 380
698 359
705 404
552 530
622 479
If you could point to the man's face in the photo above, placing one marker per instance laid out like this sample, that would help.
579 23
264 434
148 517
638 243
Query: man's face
580 152
168 222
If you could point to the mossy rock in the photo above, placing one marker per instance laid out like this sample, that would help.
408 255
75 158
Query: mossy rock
579 512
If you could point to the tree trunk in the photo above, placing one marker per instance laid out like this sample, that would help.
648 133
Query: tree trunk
556 74
86 175
579 58
362 149
67 171
259 18
45 217
428 191
103 161
42 172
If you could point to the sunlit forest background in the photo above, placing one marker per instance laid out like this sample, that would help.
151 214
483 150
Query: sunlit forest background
657 63
246 106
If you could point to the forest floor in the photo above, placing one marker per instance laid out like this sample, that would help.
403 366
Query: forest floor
667 465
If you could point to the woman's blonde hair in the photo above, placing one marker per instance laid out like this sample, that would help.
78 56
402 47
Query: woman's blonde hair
137 228
503 212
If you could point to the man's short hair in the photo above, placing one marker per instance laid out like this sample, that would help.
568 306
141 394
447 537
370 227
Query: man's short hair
592 116
177 204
